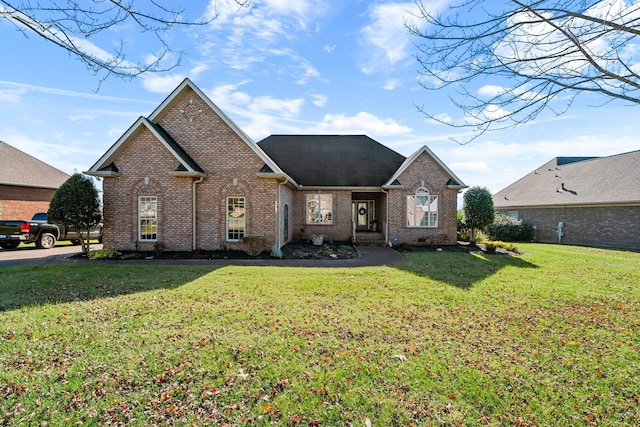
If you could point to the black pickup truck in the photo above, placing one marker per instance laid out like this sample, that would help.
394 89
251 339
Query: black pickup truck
38 230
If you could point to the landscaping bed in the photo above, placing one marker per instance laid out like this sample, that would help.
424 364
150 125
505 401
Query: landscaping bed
294 250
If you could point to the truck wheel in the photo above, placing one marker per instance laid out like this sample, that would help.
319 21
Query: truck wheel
46 241
9 245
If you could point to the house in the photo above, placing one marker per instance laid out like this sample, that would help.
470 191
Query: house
188 177
593 201
27 184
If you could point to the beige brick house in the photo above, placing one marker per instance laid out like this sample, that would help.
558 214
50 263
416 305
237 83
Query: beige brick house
188 177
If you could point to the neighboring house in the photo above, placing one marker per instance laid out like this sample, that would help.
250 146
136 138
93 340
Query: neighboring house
592 201
27 184
190 178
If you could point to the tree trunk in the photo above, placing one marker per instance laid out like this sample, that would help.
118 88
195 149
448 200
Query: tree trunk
85 245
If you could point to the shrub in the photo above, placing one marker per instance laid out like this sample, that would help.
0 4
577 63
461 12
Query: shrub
159 247
105 253
253 245
478 210
508 229
464 234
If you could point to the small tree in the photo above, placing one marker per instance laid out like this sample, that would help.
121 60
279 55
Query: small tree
76 204
478 209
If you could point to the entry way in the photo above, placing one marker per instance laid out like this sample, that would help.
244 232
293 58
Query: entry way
363 214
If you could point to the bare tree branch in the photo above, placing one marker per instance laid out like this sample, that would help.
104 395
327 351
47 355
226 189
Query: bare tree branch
71 25
513 60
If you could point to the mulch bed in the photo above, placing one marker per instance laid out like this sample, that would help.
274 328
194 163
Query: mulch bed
293 250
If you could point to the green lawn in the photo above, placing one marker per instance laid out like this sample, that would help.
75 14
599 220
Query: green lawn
546 338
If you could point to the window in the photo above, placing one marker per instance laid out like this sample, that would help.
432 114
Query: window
319 208
236 218
147 218
513 215
422 209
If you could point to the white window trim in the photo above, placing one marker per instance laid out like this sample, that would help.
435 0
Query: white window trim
226 210
145 218
320 209
431 198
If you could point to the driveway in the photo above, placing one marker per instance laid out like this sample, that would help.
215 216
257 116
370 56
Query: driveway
34 256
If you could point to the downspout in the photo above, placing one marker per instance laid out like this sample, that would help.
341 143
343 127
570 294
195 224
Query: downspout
386 217
193 210
278 204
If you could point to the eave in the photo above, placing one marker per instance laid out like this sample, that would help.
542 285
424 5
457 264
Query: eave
15 184
102 174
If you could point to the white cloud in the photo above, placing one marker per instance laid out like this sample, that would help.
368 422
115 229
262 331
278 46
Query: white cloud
362 122
391 84
307 69
161 83
241 38
329 48
443 118
11 96
82 117
283 107
476 166
385 39
490 90
319 100
22 88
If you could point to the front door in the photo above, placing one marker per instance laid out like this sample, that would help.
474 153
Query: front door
363 214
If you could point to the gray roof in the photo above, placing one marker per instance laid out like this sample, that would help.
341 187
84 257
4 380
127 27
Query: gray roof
20 169
182 155
333 160
576 181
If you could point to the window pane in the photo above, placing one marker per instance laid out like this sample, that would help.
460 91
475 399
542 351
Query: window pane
147 218
422 211
319 208
236 219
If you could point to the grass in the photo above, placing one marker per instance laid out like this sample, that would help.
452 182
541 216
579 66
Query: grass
546 338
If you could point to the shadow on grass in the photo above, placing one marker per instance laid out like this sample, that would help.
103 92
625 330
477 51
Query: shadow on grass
460 269
52 284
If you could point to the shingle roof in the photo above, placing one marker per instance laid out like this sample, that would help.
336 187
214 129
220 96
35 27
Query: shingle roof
333 160
183 156
576 181
21 169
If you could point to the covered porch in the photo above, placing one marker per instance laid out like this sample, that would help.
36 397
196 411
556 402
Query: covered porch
369 218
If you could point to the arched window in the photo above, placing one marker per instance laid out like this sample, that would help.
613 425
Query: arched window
422 209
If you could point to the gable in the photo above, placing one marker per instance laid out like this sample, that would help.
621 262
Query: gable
174 120
17 168
576 180
332 160
107 164
432 164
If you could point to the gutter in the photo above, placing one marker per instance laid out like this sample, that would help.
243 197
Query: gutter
194 215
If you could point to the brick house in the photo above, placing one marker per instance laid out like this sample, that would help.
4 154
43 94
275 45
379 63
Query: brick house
592 201
27 184
188 177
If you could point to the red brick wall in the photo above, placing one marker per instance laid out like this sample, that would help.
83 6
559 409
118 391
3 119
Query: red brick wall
424 171
340 230
231 168
22 202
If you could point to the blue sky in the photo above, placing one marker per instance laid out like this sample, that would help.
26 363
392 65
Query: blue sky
283 67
